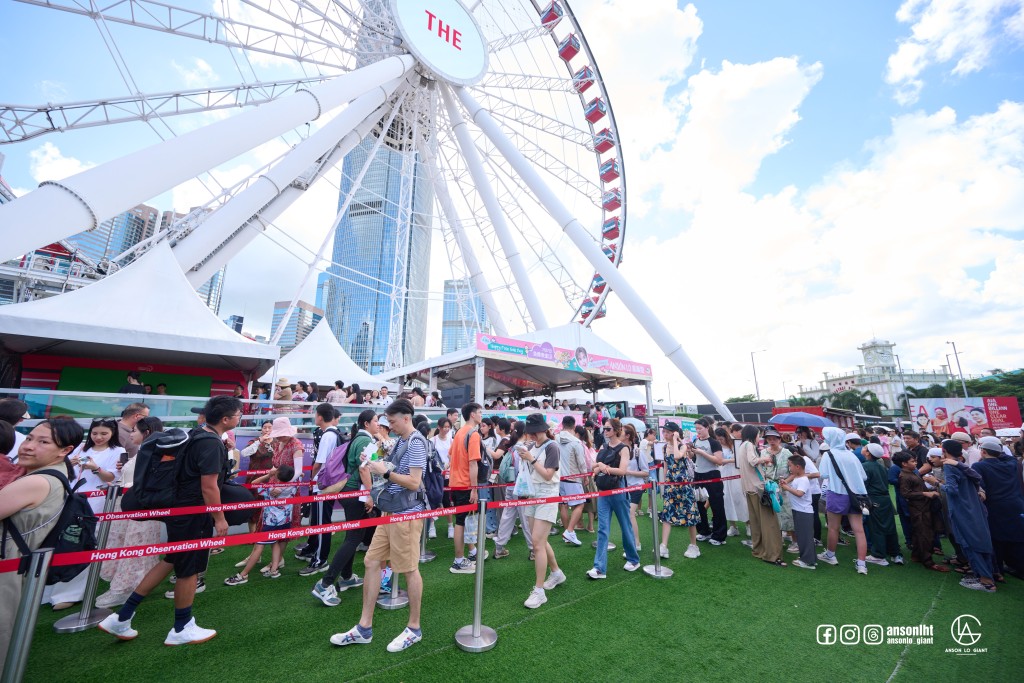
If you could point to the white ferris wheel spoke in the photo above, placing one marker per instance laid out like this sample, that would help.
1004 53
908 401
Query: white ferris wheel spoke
475 272
20 122
506 109
494 212
85 199
209 28
636 303
519 81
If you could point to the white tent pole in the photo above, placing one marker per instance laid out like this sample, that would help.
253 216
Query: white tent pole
494 212
81 202
356 183
476 273
202 245
636 303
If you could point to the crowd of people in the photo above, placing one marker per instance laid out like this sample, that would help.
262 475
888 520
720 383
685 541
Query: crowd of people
726 480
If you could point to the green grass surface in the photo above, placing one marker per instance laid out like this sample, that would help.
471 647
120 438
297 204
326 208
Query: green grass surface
722 617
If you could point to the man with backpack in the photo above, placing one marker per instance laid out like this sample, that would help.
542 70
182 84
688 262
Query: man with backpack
318 548
401 492
463 465
199 472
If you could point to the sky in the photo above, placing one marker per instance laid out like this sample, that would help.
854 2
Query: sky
803 176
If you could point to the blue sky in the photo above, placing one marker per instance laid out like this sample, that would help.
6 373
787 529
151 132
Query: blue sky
834 153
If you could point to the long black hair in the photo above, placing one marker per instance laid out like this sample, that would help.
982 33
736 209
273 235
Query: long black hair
749 434
364 418
108 422
150 425
358 394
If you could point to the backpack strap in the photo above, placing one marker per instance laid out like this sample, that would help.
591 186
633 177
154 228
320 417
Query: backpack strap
12 531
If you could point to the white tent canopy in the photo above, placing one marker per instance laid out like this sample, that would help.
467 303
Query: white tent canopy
320 358
572 336
145 312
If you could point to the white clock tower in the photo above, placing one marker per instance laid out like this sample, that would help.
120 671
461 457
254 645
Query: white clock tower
878 356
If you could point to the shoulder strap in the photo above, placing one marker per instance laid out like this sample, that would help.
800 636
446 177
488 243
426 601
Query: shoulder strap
469 435
835 466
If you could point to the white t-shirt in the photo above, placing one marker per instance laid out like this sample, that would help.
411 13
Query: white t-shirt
13 455
811 468
328 442
107 460
800 503
442 446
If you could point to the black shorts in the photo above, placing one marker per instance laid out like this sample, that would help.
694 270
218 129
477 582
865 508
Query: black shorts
460 498
636 496
189 528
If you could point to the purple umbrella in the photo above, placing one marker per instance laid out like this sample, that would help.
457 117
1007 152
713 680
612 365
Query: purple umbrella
801 419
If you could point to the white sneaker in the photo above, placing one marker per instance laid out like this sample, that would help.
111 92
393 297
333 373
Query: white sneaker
692 552
898 560
122 630
663 551
880 561
702 537
822 557
190 635
793 549
432 532
451 531
554 579
861 568
242 563
404 640
803 565
631 566
593 573
350 637
733 531
536 599
570 538
111 599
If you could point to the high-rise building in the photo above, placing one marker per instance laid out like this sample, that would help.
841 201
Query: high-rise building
235 322
376 303
212 291
301 322
462 315
118 234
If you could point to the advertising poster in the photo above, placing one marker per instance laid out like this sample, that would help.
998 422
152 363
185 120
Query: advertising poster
577 360
971 415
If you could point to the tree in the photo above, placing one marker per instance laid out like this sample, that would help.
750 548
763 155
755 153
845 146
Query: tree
746 398
866 402
796 402
1006 384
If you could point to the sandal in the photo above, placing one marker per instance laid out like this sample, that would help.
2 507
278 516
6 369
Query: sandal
942 569
777 563
999 578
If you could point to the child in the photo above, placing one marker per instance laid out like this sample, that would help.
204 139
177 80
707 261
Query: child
798 488
275 518
882 520
919 503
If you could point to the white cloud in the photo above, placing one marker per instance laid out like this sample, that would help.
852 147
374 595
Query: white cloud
961 31
198 75
46 162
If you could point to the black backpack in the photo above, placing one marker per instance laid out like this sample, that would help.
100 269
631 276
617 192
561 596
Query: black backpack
157 465
486 464
433 477
75 531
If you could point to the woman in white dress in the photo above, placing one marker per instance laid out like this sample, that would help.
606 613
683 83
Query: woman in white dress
735 502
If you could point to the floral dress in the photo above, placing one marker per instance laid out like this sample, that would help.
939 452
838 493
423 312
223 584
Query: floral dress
680 504
284 454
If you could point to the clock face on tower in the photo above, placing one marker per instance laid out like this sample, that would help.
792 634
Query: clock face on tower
871 356
885 357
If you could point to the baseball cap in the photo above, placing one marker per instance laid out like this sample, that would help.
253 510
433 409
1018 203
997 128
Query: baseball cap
991 443
672 427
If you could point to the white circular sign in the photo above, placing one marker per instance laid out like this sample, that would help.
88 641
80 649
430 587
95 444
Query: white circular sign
444 36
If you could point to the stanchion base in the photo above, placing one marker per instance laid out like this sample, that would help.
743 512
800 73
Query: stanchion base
73 623
428 556
661 572
390 601
467 642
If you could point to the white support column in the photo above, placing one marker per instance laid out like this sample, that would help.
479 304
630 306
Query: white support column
476 273
356 184
478 384
200 249
58 209
636 303
494 212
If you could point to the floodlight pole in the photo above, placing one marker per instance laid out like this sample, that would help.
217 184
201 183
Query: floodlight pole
636 303
959 370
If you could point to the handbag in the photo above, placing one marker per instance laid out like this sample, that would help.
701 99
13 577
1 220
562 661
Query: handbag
862 501
700 494
769 498
608 482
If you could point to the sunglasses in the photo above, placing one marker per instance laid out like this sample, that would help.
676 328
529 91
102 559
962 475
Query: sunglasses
606 429
104 421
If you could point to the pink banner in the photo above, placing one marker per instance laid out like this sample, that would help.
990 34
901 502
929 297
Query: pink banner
576 360
949 415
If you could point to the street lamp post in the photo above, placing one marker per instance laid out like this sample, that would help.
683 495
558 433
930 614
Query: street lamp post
906 399
956 355
757 389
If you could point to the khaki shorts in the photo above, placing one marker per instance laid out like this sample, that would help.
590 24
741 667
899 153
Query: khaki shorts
399 543
547 512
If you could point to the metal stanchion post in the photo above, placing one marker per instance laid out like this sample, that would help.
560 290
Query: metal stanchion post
655 570
426 555
90 615
397 598
476 637
25 620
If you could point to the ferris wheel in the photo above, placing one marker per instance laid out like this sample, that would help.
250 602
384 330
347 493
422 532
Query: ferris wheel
489 122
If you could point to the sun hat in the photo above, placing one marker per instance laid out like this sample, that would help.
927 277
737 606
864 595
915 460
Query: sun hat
283 382
282 427
772 431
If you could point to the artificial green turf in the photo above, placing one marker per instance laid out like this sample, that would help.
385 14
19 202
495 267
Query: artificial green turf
723 617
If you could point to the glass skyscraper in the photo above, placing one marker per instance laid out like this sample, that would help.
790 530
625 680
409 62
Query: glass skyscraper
376 302
300 323
117 234
462 315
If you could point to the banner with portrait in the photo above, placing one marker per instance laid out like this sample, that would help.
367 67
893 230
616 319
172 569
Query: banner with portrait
971 415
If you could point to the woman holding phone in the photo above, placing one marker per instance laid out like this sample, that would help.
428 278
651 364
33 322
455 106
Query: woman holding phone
609 470
542 457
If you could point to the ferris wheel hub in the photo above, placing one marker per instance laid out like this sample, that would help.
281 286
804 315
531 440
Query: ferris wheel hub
444 37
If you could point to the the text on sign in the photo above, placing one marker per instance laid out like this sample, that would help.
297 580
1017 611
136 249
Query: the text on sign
445 31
